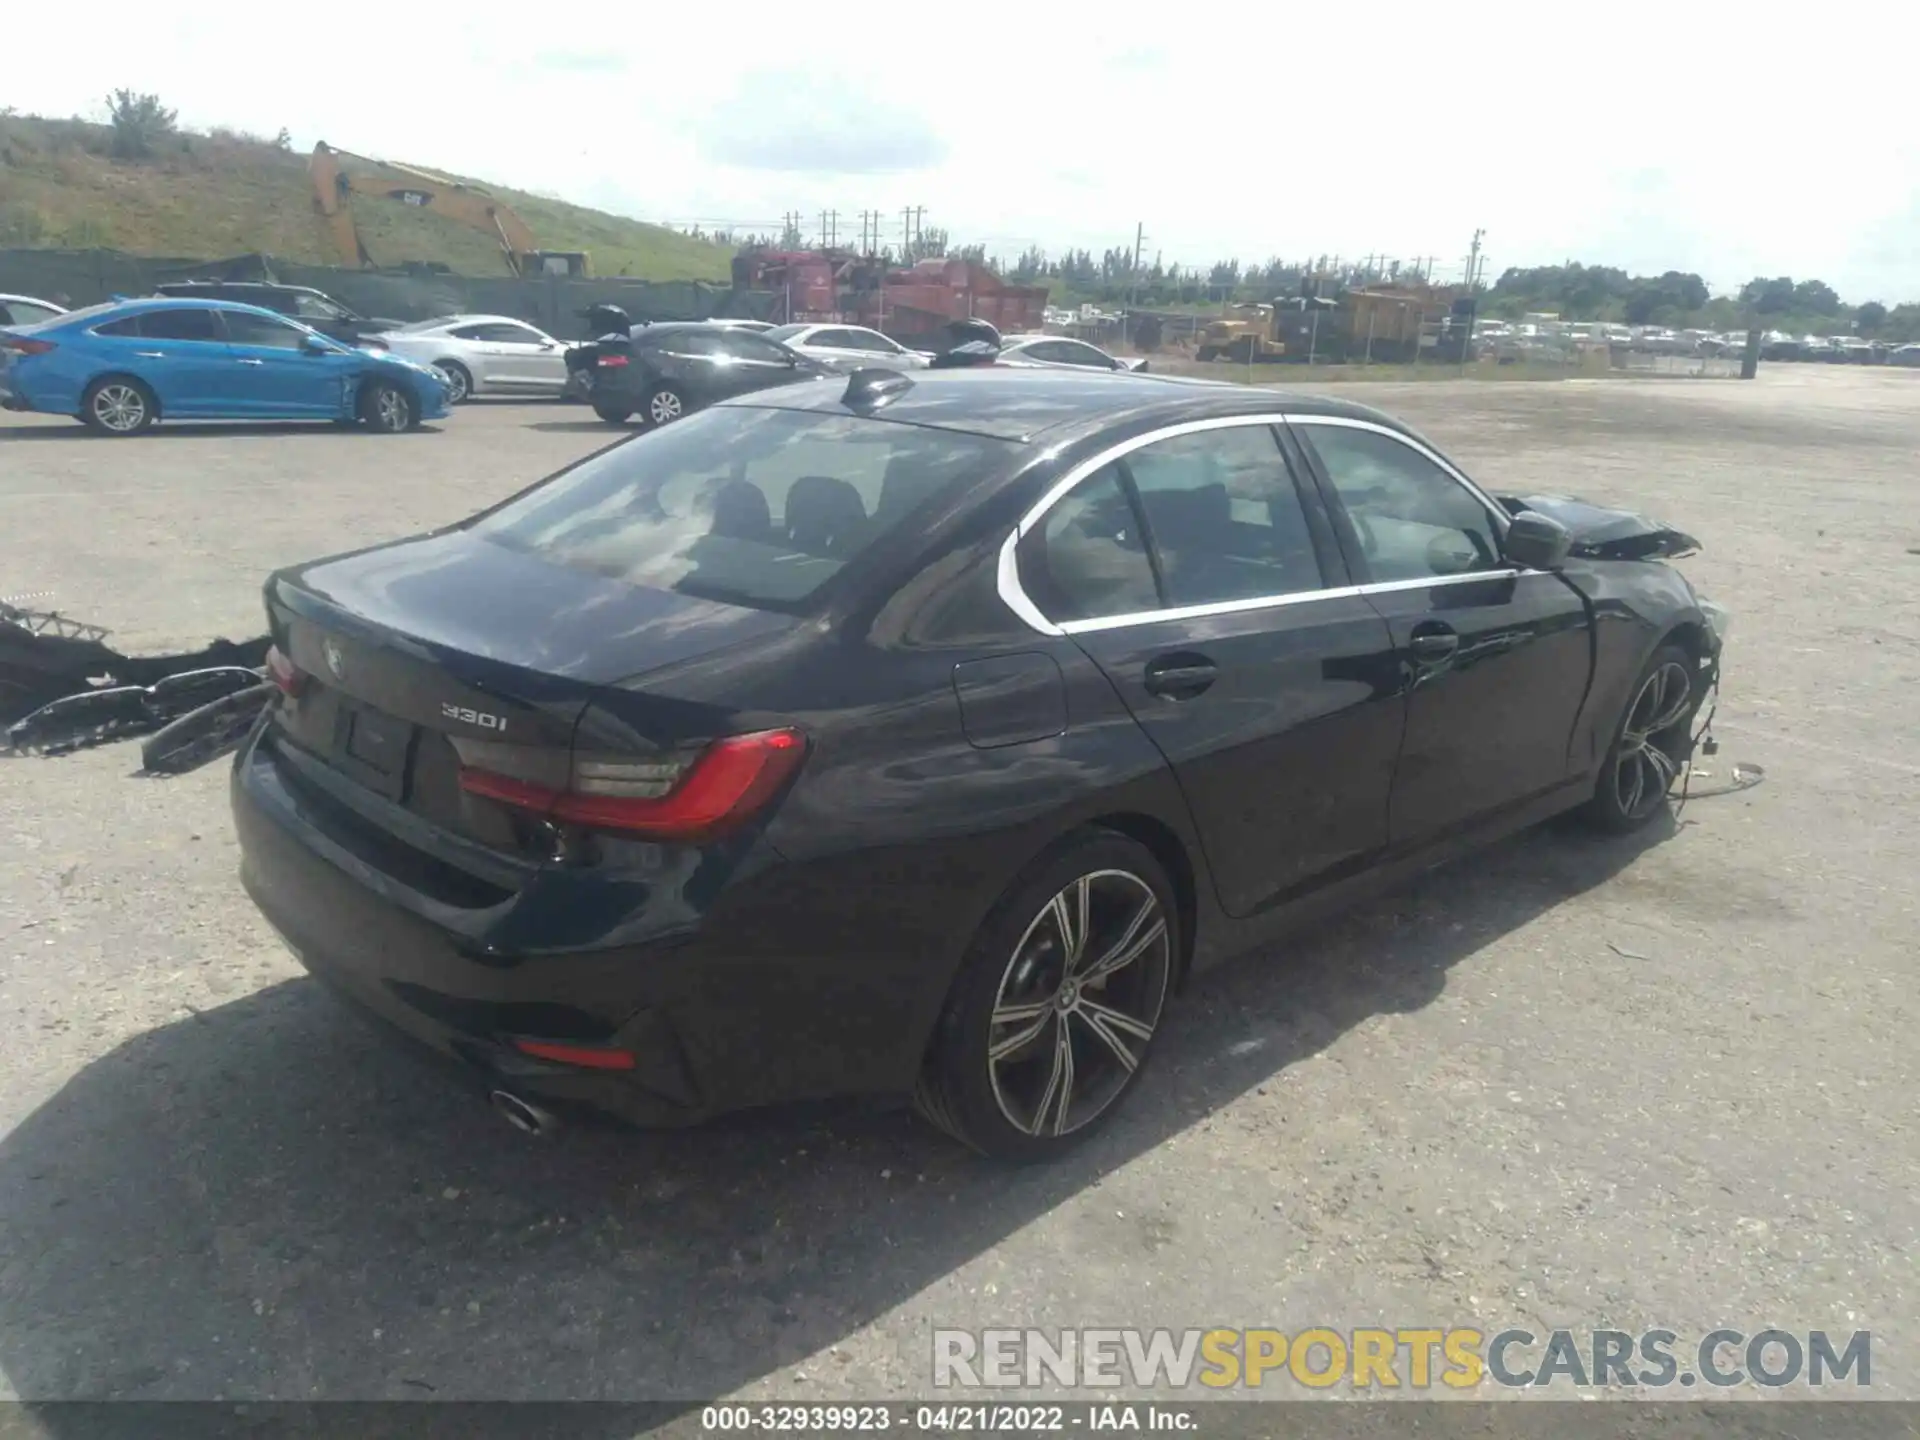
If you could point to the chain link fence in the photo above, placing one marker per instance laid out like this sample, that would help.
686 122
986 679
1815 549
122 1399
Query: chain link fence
555 303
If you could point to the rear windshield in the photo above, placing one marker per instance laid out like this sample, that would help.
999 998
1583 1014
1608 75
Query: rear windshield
754 507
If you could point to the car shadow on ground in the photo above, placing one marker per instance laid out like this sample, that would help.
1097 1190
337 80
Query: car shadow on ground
180 429
264 1200
587 427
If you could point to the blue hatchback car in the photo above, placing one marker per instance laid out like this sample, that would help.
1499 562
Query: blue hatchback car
121 367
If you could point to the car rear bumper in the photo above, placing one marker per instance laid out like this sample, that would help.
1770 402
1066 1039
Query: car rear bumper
455 981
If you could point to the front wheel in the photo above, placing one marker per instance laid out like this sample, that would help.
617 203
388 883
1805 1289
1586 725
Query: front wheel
1654 742
118 405
1055 1008
612 412
387 409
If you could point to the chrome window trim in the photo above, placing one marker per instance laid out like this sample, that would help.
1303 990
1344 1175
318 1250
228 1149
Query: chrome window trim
1017 600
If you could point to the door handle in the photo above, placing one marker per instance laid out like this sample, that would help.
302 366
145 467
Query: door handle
245 361
1434 641
1180 677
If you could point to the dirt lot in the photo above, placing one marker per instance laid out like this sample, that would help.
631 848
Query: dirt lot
1566 1083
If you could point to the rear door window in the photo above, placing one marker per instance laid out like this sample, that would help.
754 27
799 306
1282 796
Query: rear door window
181 325
753 507
1226 519
1087 559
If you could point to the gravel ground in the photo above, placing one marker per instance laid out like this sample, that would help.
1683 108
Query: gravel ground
1566 1083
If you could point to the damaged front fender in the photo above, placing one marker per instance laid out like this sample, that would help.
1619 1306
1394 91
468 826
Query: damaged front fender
1602 533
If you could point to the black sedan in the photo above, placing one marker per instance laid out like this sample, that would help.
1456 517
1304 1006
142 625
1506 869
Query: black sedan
662 372
918 735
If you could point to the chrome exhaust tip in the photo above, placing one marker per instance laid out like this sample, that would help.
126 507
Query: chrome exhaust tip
523 1115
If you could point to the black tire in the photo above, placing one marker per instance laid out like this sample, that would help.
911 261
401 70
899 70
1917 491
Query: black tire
611 412
118 405
1010 1107
664 404
1205 352
1652 744
459 381
386 409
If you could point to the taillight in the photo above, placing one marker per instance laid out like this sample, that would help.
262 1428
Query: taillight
20 344
690 798
612 360
284 673
587 1057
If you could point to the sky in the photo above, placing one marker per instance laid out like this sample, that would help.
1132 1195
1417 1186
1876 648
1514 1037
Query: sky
1727 140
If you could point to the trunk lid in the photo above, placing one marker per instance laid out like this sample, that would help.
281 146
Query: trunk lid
409 656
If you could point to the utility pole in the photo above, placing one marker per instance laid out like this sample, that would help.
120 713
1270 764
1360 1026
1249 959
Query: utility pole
1472 296
910 219
1133 263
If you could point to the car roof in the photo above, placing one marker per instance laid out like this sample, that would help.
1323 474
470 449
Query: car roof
173 302
1025 403
445 320
31 300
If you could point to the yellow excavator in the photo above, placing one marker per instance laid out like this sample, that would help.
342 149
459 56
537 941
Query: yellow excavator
334 189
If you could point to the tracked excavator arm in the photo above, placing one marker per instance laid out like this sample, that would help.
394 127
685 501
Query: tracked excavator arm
334 190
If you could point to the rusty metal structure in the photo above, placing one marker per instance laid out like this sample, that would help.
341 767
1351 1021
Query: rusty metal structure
913 304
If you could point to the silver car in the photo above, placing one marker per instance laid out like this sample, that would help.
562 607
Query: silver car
25 310
1055 350
847 347
484 355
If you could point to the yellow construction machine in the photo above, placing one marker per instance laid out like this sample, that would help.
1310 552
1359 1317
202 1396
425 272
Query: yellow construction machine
334 189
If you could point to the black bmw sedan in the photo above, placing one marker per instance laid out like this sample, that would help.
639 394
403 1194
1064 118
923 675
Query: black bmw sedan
662 372
919 735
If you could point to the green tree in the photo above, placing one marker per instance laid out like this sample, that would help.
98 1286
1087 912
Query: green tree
1814 297
1870 317
1768 297
138 122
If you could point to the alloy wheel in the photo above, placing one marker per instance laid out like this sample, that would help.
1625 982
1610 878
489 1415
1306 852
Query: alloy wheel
456 379
390 409
119 408
1078 1003
665 406
1643 771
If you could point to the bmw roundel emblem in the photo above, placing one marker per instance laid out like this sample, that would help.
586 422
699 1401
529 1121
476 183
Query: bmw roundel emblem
336 662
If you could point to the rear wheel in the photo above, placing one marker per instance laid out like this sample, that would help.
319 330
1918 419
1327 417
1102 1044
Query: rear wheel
664 404
612 412
459 381
1054 1011
1654 742
387 409
118 405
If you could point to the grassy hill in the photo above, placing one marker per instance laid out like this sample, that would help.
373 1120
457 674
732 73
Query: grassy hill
208 196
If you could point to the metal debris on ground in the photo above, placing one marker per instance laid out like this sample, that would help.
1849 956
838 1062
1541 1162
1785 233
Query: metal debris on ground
63 688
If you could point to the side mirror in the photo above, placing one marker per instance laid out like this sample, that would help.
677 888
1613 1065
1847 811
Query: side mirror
1537 542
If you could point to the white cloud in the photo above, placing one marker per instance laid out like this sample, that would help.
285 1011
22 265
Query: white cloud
1700 136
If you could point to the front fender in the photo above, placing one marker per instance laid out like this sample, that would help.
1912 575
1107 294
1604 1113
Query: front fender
1637 605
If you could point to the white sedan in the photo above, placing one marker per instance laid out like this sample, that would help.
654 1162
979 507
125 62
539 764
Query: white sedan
847 347
25 310
1051 351
484 355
